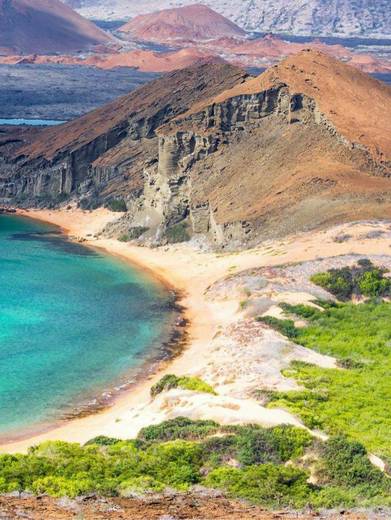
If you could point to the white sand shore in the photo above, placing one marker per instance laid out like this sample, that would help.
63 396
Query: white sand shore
193 272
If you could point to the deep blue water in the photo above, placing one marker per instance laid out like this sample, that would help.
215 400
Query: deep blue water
73 323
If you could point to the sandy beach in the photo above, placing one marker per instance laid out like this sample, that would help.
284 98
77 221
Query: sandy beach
210 321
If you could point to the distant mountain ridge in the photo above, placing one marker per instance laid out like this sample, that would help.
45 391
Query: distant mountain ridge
45 26
360 18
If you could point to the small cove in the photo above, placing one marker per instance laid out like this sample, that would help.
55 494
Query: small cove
75 326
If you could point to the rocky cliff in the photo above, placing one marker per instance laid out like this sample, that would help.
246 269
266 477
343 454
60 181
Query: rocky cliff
211 152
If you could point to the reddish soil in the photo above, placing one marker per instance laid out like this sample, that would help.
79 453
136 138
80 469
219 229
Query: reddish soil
45 26
182 507
193 22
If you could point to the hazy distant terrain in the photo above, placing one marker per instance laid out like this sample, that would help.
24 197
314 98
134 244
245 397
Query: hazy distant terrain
316 17
61 91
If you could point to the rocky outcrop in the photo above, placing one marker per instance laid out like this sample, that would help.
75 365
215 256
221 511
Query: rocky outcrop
209 152
87 154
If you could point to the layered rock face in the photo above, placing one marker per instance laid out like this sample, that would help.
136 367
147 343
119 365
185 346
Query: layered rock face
211 152
108 147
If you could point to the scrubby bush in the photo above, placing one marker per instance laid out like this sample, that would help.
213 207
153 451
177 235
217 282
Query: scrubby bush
363 279
186 382
133 234
150 464
117 205
351 400
177 233
179 428
285 327
266 484
304 311
346 463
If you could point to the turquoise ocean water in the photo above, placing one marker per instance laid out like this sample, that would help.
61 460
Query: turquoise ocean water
73 323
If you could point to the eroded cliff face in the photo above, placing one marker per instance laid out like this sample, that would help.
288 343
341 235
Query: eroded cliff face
105 147
178 188
212 153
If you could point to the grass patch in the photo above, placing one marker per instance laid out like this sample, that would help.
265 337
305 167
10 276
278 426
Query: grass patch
185 382
354 401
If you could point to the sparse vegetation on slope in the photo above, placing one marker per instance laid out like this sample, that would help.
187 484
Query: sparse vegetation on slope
185 382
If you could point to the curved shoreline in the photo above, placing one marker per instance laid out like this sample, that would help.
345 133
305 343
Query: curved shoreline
170 344
191 273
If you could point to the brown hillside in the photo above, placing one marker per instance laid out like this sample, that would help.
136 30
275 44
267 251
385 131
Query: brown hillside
192 22
168 96
357 105
236 159
45 26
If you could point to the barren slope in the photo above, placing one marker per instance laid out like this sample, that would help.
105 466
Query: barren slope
357 105
193 22
110 146
306 143
45 26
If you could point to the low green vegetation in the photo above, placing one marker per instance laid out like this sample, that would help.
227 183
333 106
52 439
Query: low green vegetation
117 205
185 382
363 279
177 233
268 466
354 398
285 327
133 234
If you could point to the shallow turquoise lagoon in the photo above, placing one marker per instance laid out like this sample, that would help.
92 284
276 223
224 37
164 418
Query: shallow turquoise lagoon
73 324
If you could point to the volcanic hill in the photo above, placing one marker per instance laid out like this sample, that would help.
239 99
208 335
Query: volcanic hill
45 26
194 22
210 151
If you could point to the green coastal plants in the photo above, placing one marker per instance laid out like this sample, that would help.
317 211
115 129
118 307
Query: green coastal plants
352 398
181 453
362 279
285 327
185 382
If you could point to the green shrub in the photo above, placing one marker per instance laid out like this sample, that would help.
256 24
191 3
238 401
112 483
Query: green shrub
351 401
364 279
61 487
177 233
346 463
133 234
139 486
304 311
179 428
117 205
285 327
150 464
373 284
267 484
186 382
102 440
